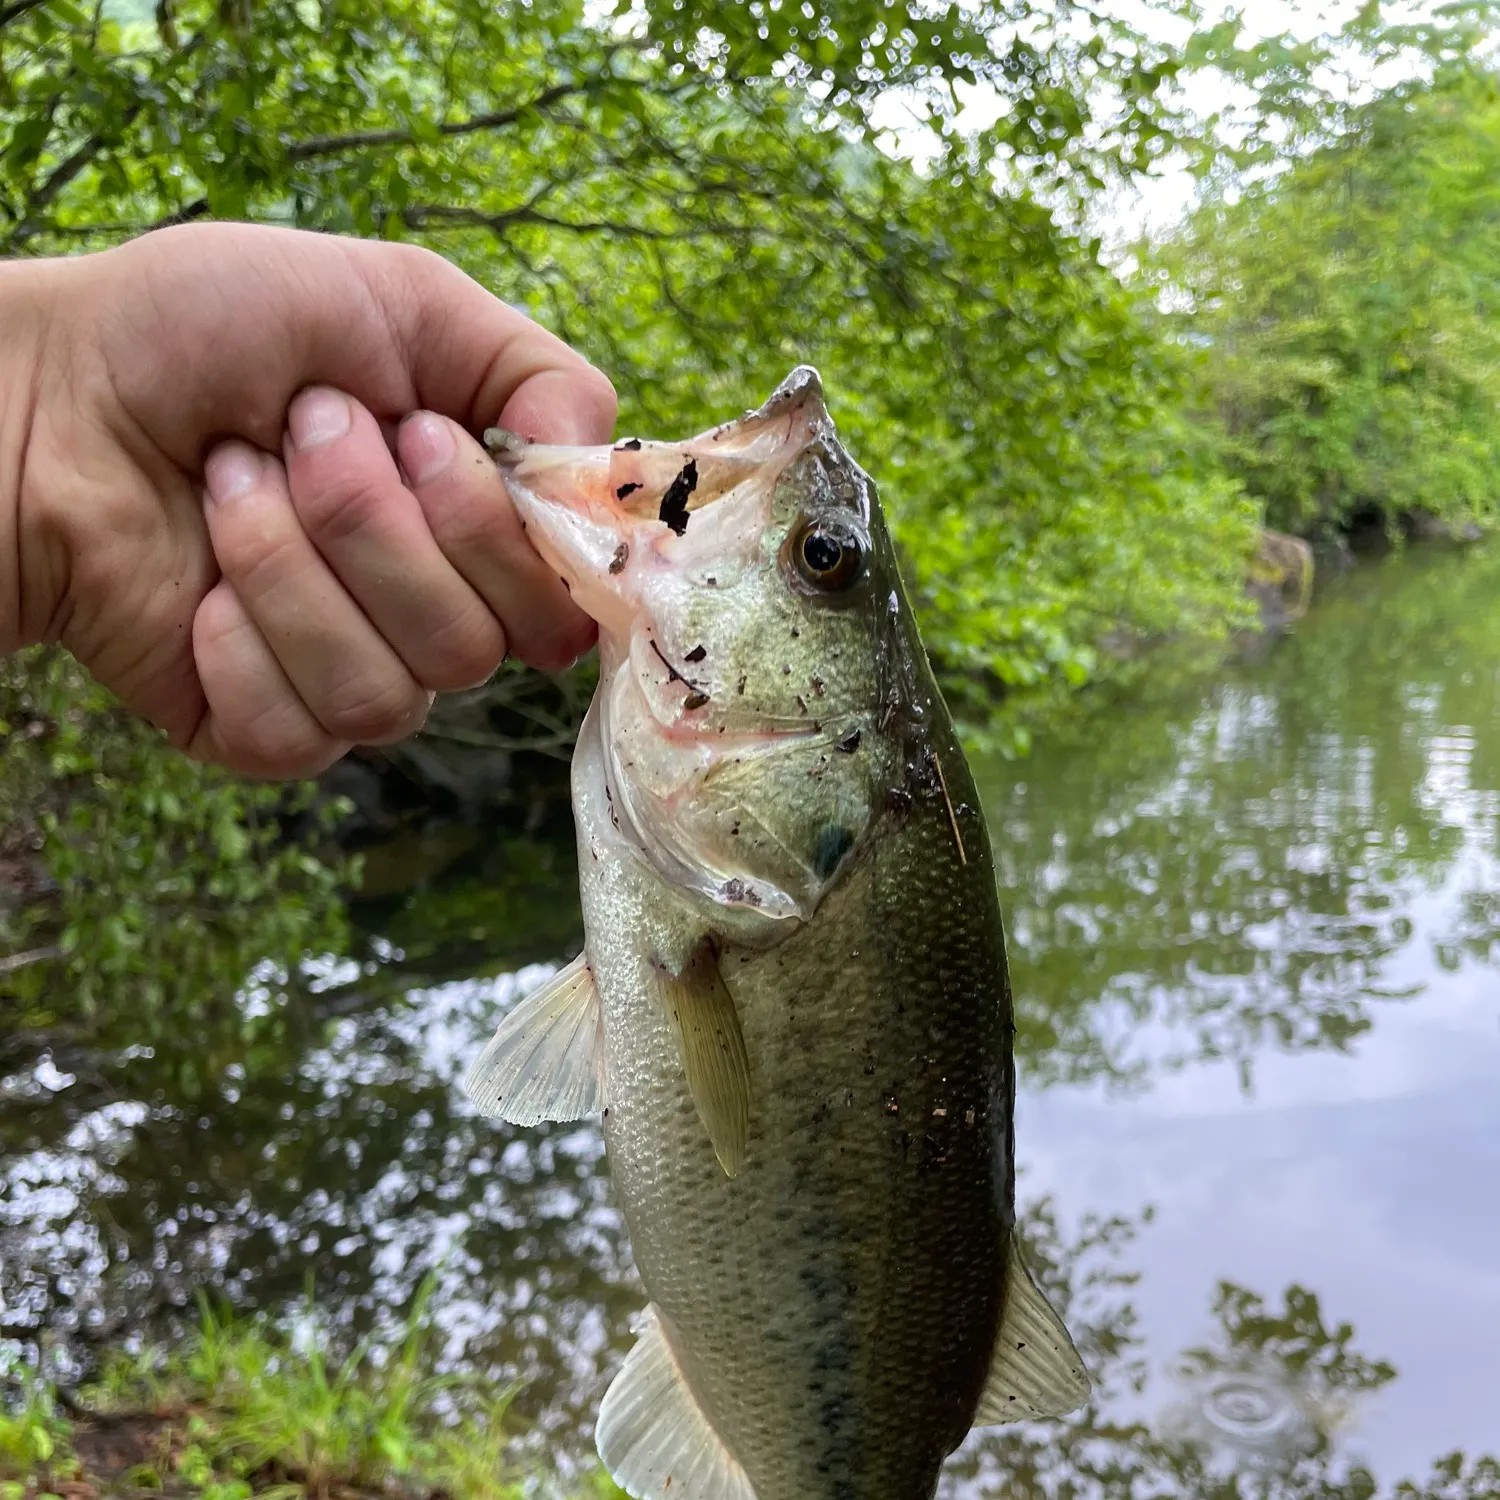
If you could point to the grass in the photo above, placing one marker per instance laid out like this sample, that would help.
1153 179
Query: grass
35 1439
240 1411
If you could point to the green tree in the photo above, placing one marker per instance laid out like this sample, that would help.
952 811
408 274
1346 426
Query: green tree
1346 304
699 196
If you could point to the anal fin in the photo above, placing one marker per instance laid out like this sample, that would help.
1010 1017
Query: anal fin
1035 1370
713 1051
545 1060
652 1434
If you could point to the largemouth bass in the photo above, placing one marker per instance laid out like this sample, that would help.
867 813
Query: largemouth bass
792 1008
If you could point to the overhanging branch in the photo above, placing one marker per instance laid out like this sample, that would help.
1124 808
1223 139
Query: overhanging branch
418 216
357 140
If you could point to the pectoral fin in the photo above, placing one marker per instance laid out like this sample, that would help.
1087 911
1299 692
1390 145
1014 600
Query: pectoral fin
653 1436
713 1051
545 1062
1035 1371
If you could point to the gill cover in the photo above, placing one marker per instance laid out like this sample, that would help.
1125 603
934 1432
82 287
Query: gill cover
744 588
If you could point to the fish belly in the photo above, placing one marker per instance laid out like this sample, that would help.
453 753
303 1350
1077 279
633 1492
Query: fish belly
834 1307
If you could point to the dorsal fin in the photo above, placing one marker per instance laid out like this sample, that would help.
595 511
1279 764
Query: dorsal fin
545 1061
1035 1370
713 1051
652 1434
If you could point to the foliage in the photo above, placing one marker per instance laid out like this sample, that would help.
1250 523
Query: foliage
1040 58
150 884
240 1409
255 1405
700 196
33 1433
1346 305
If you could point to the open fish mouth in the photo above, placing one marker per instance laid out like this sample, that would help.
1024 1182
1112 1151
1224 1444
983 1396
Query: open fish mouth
642 491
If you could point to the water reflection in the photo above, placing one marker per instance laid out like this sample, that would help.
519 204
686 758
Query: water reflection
1288 858
1211 869
358 1165
1263 1412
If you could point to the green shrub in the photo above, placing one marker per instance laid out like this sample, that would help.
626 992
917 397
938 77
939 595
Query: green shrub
152 888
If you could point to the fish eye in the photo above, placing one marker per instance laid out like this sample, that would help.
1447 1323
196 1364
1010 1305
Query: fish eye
828 554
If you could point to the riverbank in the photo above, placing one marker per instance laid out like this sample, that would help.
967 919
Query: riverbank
241 1411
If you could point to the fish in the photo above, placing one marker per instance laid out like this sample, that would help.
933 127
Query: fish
792 1009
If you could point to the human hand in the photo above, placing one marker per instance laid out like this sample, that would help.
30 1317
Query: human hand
208 513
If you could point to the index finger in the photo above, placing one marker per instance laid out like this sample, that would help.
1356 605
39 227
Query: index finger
397 327
482 362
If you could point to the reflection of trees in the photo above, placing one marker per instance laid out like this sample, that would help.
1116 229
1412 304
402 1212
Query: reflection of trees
136 883
343 1157
508 901
1236 866
354 1163
1258 1414
1474 932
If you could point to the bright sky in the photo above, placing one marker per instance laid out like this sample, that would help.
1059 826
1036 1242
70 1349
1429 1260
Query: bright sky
1161 200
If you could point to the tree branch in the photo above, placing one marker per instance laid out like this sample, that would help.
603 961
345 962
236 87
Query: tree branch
184 215
14 961
16 10
331 145
420 215
60 176
69 168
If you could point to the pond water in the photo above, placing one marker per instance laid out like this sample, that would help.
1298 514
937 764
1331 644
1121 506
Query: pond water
1255 925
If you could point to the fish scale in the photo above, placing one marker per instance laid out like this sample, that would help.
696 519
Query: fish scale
844 1287
793 1006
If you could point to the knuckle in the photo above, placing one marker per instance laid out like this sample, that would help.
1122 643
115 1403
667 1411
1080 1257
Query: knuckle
252 728
334 512
463 519
253 558
418 262
557 650
405 276
548 656
367 711
214 626
463 654
281 743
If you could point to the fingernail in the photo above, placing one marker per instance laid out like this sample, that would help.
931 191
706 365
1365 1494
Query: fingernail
318 416
425 446
231 471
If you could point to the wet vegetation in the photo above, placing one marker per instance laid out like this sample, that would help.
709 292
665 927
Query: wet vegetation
240 1409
